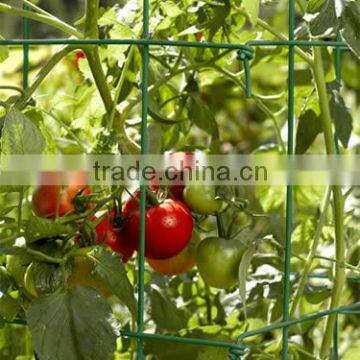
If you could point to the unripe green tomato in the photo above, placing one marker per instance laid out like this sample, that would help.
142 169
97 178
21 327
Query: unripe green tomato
16 267
42 278
201 199
218 261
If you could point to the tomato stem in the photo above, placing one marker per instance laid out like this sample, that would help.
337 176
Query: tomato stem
49 20
220 227
152 197
339 277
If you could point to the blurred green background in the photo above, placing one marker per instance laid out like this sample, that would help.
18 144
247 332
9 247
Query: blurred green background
67 10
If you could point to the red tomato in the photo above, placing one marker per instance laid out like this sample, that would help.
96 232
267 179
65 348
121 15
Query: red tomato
180 263
49 193
169 227
78 55
114 237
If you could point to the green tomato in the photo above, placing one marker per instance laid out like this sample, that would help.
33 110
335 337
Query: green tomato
202 199
16 267
218 261
42 278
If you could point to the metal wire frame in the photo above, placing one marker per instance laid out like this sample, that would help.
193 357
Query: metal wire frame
245 53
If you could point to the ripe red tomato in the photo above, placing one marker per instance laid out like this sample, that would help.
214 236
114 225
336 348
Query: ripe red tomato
169 228
46 197
113 237
180 263
78 55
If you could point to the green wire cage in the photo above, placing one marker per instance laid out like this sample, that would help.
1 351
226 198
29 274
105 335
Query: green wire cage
245 54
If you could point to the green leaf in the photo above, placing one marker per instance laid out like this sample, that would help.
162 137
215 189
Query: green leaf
40 228
302 236
341 116
309 127
202 116
321 16
20 135
155 138
76 325
45 278
4 51
171 9
252 9
243 271
353 351
316 295
9 307
109 269
350 25
165 313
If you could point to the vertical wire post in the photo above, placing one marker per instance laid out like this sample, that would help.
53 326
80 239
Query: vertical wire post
337 54
144 146
25 34
335 352
290 150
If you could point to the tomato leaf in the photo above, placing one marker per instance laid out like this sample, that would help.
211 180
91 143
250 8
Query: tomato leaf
202 116
309 127
243 271
342 118
20 135
40 228
350 25
171 9
302 236
4 51
165 313
109 269
9 307
252 8
321 16
76 325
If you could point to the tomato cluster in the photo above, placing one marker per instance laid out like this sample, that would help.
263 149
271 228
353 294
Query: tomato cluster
172 246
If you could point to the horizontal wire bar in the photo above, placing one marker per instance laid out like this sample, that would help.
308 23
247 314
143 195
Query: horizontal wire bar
182 340
247 46
300 43
124 42
295 321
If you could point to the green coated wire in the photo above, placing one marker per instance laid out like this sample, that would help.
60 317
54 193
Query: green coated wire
335 352
144 147
289 189
25 33
248 46
337 53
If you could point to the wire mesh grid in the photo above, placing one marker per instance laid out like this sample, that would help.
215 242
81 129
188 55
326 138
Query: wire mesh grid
245 54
